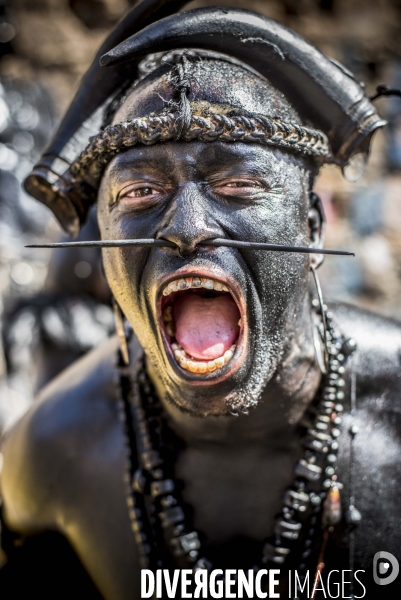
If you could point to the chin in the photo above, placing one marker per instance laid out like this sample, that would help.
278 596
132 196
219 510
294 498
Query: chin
236 395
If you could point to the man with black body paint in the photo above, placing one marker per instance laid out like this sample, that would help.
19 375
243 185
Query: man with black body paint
236 423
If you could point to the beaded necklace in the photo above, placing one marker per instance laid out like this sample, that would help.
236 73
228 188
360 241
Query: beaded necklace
311 504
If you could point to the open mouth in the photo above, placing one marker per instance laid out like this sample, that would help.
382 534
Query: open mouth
201 322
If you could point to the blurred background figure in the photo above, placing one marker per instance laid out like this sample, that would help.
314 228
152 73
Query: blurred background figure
54 307
46 330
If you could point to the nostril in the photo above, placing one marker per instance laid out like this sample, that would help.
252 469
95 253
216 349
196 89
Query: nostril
187 254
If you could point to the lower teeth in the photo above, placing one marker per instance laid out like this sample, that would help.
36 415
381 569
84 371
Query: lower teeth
194 366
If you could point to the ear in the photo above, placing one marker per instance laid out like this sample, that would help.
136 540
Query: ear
317 226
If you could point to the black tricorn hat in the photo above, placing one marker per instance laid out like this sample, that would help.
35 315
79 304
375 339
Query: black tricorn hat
324 93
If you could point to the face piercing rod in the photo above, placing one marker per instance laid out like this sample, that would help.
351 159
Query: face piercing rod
273 247
212 242
105 244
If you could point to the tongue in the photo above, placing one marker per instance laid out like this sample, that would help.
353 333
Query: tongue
206 327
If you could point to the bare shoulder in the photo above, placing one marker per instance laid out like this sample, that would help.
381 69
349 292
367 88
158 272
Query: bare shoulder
378 340
68 420
373 413
376 368
376 365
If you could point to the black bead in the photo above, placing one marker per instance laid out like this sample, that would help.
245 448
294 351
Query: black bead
157 488
168 501
139 482
157 473
151 459
178 529
171 516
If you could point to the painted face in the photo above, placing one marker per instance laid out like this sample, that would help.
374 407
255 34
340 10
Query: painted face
213 321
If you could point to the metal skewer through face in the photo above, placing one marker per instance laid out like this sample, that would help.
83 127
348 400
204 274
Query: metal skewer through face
213 242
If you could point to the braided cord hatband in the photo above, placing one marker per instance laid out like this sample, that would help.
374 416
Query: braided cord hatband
154 129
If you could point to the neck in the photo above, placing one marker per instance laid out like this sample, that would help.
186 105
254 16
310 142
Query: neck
278 411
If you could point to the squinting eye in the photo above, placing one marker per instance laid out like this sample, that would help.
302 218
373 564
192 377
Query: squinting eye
242 184
141 192
139 195
240 188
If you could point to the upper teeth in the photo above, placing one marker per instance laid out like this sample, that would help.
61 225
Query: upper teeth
179 285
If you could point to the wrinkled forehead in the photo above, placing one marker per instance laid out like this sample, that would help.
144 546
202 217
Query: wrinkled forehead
209 81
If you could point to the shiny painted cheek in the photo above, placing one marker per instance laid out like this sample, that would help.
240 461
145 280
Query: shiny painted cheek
278 277
124 266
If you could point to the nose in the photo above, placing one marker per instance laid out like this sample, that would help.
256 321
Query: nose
189 221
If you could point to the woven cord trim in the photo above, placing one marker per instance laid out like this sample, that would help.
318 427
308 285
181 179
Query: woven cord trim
147 131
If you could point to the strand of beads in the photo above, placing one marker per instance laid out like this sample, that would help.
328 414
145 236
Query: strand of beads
315 488
140 525
154 478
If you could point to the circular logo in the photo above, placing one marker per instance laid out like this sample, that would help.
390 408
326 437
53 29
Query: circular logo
385 568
